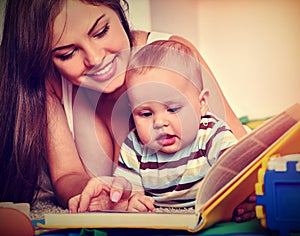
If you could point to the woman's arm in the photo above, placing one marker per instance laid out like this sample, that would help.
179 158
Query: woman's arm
73 185
67 172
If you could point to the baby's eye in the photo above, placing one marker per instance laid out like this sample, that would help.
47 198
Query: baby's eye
174 109
146 114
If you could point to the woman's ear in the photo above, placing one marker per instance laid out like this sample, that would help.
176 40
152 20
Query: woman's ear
203 102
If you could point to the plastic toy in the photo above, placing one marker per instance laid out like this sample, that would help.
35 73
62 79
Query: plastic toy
278 193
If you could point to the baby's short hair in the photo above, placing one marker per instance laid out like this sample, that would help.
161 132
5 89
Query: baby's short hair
166 54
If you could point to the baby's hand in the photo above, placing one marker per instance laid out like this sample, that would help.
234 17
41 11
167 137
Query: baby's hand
246 210
141 203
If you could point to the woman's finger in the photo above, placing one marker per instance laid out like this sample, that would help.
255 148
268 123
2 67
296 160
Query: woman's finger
102 202
246 210
120 189
245 217
74 203
245 207
252 198
93 189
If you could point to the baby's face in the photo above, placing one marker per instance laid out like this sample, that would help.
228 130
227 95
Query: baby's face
166 109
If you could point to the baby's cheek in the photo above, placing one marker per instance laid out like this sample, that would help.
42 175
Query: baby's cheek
189 124
144 131
189 120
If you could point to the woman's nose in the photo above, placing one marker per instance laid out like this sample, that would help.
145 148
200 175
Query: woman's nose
93 57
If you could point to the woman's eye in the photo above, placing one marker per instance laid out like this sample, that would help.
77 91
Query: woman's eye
173 109
64 57
102 32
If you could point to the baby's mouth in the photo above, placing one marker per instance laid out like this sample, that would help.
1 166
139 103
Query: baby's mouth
166 139
164 136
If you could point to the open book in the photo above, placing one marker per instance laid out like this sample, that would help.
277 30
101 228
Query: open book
227 184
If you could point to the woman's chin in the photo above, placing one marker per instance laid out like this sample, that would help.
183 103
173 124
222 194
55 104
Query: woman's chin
114 85
104 87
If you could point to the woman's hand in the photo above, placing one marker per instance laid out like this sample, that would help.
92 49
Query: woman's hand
246 210
141 203
102 193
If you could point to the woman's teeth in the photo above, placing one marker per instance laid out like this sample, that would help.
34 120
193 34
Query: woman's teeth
105 69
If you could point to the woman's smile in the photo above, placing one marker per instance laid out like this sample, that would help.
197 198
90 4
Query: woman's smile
103 73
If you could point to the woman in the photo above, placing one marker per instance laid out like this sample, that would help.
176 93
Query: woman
49 50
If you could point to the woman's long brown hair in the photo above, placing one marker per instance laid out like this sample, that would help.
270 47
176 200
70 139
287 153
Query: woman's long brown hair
25 64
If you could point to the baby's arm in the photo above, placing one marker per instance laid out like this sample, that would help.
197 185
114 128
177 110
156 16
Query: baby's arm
129 168
139 202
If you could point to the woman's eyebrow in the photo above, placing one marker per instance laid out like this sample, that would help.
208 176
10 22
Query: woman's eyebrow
90 31
95 24
62 47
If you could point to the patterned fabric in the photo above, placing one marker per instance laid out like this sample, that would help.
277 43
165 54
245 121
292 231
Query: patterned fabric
173 179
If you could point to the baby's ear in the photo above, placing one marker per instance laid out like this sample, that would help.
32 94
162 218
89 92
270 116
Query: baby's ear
203 101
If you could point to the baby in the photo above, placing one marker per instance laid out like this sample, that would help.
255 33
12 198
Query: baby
176 139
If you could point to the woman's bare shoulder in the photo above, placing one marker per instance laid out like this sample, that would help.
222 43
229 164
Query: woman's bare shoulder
139 37
182 40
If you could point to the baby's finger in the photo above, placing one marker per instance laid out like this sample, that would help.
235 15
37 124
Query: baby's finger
140 207
133 209
148 202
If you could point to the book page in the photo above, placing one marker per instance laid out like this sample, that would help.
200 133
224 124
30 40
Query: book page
114 219
239 156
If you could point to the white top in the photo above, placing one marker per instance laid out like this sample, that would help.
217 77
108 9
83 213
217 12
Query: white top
67 89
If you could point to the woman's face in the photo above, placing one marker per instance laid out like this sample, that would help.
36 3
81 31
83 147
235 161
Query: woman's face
90 46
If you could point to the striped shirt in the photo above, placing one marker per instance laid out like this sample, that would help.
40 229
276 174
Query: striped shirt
173 179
